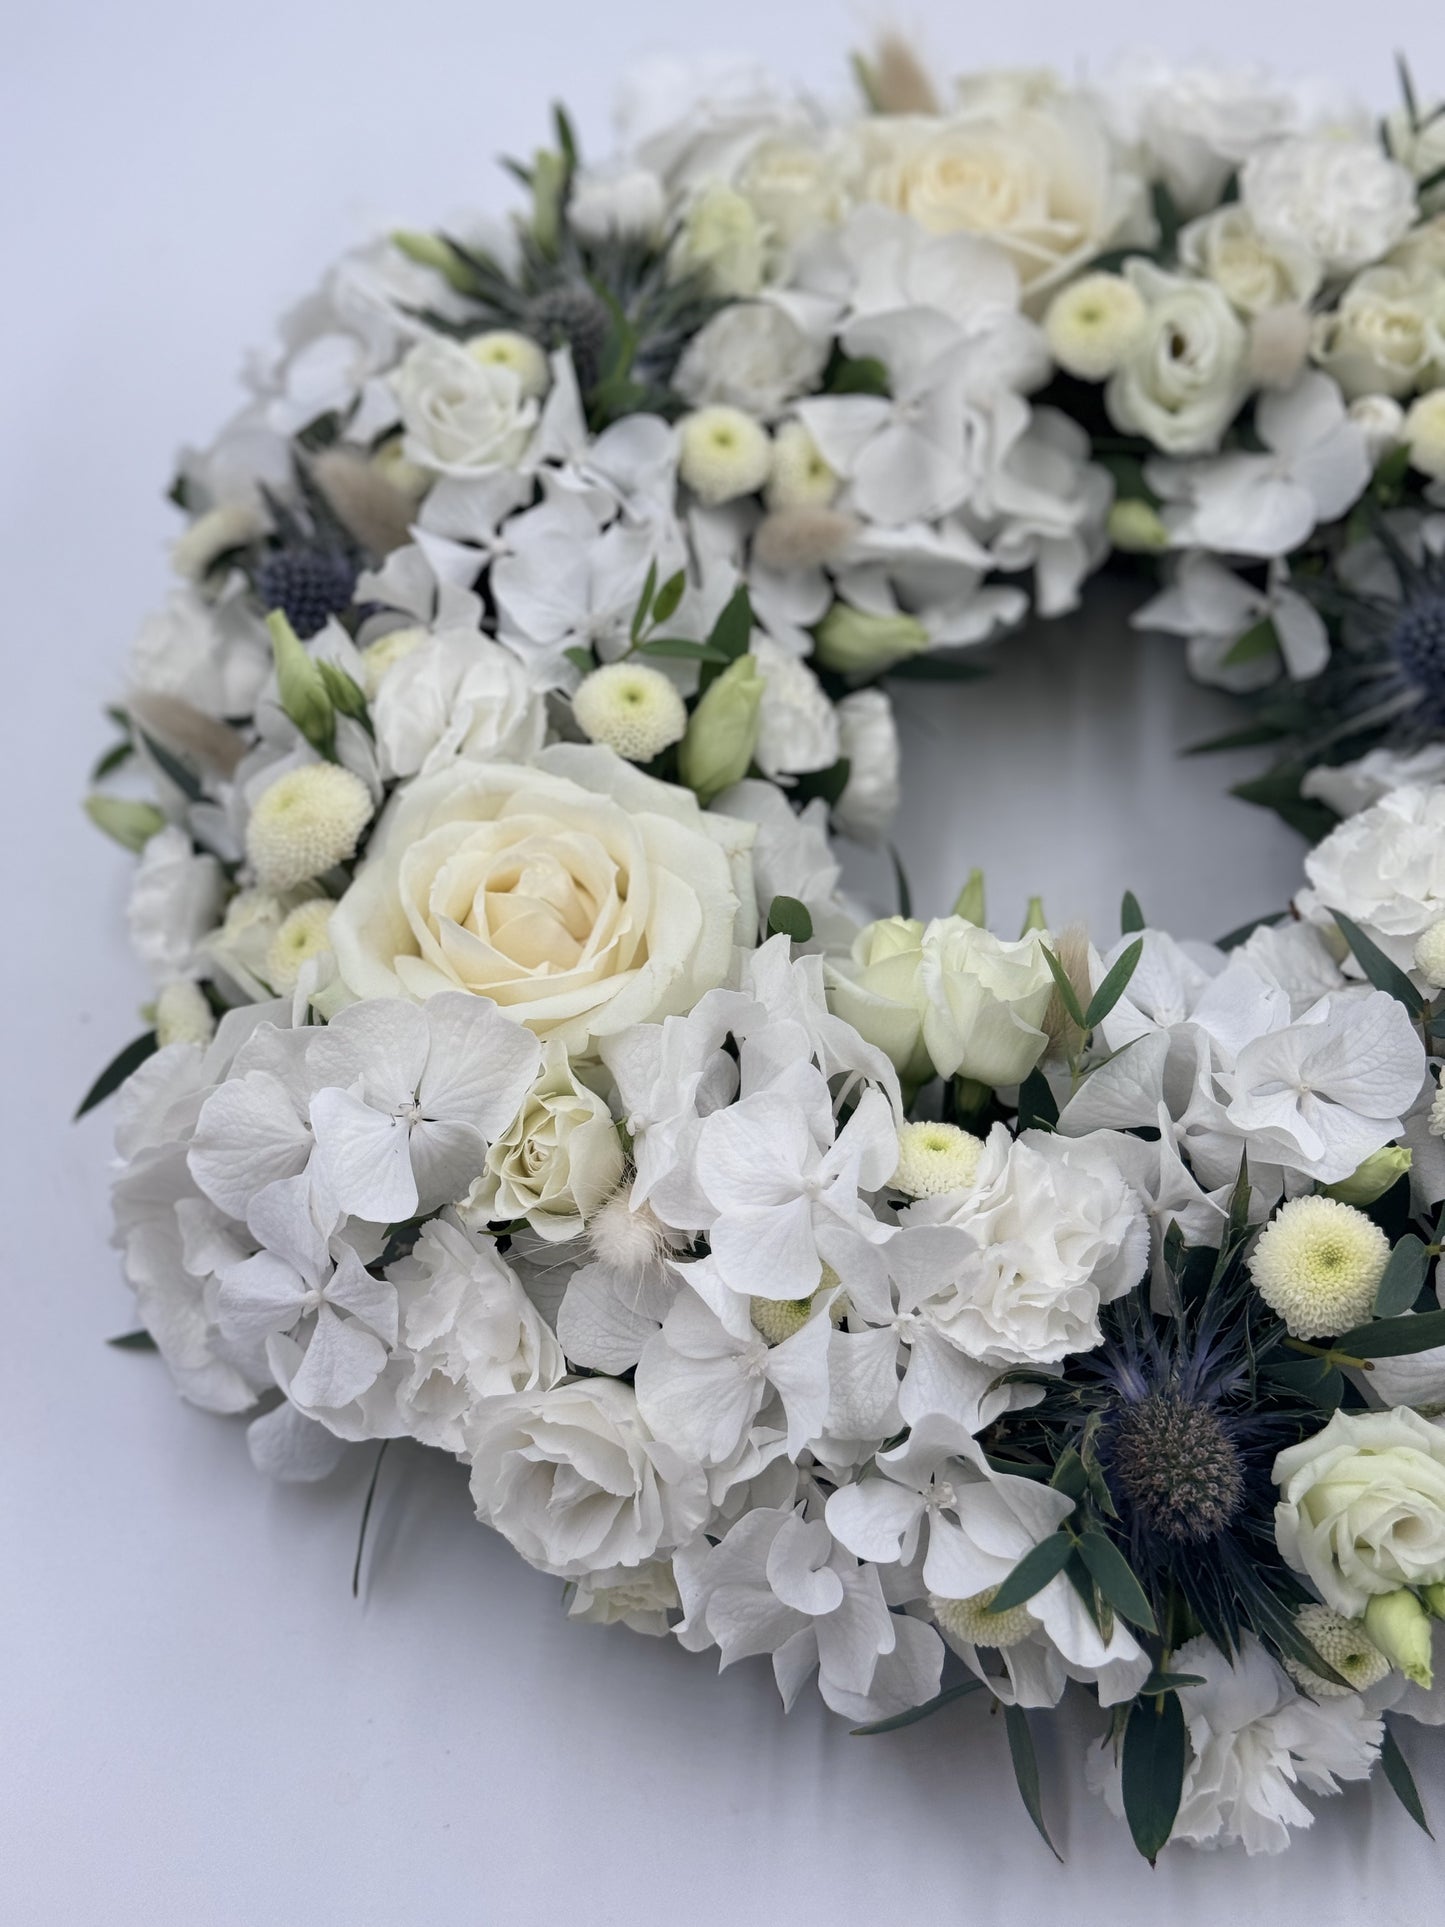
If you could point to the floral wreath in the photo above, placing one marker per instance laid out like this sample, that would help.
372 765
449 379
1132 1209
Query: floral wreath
937 1312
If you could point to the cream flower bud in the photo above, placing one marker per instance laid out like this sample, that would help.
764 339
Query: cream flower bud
800 477
304 934
130 823
1092 324
1318 1265
1343 1644
724 454
379 656
307 822
1436 1121
631 708
1434 1598
723 730
724 242
971 1623
856 643
1135 527
1399 1625
1425 433
505 348
1374 1177
933 1158
1383 420
183 1016
1430 954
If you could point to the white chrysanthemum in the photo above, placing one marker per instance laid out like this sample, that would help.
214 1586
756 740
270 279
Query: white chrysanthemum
1345 1645
776 1319
308 821
800 479
183 1016
971 1622
933 1158
1437 1110
1093 323
632 709
724 454
1425 433
505 348
1430 955
377 657
304 934
1318 1265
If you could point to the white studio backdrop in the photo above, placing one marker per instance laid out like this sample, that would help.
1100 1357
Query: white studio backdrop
197 1723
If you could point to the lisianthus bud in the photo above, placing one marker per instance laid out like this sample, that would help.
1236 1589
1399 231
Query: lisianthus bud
301 686
128 823
1374 1177
1400 1627
431 251
1434 1598
1425 433
855 643
723 731
1135 527
183 1016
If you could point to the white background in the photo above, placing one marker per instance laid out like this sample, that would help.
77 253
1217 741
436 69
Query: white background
197 1724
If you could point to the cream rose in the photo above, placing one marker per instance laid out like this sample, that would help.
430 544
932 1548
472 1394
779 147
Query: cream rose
794 187
461 414
984 1001
1385 337
578 894
1255 274
1040 177
557 1160
1362 1506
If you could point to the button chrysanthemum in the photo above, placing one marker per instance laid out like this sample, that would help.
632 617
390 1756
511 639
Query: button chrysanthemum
970 1621
183 1016
724 454
303 935
308 821
1093 324
630 708
1341 1643
1318 1265
800 477
1430 955
934 1158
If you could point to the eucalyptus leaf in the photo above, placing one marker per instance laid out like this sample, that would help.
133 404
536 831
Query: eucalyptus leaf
1026 1771
118 1070
1039 1565
136 1341
644 601
1402 1780
1417 1331
1383 974
1068 995
664 605
1114 1577
911 1715
1113 986
733 630
1131 917
1038 1108
789 918
1405 1273
1153 1771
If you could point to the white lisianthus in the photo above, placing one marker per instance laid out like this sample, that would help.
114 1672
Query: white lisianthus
724 453
555 1163
463 416
868 739
724 242
1183 381
1362 1506
1055 1233
1340 198
1256 275
455 695
305 823
573 1479
579 895
627 203
1384 335
1318 1265
175 905
984 1001
468 1334
753 356
1039 176
1384 867
1424 433
1093 323
631 708
877 992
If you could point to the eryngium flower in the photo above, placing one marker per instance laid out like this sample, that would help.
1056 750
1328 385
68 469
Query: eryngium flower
1176 1466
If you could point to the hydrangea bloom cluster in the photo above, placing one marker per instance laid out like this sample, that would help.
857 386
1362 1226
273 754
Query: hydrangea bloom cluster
929 1309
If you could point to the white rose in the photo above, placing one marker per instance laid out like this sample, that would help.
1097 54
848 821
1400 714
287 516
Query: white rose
1385 869
1057 1233
1362 1506
456 694
1384 338
557 1160
175 902
984 1001
795 188
579 895
752 356
577 1484
626 204
868 739
1041 178
877 991
1342 199
468 1334
1257 275
1184 379
461 414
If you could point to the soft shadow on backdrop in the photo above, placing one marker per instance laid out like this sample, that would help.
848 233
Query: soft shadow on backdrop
199 1723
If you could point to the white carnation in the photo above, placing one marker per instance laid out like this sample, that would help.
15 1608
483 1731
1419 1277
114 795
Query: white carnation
1343 199
752 356
1384 868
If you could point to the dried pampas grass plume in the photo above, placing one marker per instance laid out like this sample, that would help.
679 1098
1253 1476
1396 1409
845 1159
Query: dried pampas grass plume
178 726
366 504
803 538
1072 950
894 79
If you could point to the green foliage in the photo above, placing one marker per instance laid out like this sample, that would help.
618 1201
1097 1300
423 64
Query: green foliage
118 1070
1152 1770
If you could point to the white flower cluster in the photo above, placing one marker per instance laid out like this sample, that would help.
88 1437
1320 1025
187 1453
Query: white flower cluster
521 1082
